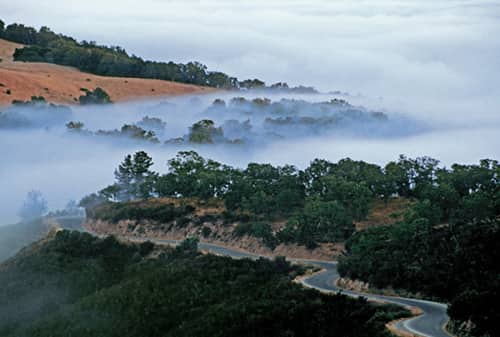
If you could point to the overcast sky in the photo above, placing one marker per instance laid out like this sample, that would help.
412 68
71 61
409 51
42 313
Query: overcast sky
379 48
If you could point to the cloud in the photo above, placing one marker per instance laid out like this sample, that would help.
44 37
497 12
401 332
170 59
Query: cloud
386 48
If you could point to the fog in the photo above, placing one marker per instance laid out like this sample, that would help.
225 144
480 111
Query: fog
430 66
45 155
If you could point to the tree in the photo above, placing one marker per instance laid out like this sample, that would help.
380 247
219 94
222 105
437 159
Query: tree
190 175
354 197
134 177
75 126
20 33
98 96
142 175
124 179
33 207
252 84
205 132
90 201
189 246
321 221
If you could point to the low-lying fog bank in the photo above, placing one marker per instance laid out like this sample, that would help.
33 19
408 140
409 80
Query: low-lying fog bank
41 151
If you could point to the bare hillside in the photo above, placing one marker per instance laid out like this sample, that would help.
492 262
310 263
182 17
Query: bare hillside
21 80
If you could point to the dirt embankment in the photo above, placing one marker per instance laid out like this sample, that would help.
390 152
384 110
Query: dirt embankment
60 84
218 232
385 213
221 234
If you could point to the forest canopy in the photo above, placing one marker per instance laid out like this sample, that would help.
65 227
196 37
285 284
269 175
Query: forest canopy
79 285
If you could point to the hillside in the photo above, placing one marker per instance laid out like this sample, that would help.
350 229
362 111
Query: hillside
14 237
73 284
61 84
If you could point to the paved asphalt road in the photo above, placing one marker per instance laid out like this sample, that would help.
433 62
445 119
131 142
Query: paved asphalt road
429 324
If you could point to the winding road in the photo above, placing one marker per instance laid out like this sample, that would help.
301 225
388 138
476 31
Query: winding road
429 324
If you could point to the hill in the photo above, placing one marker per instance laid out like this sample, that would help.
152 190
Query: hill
62 84
15 237
73 284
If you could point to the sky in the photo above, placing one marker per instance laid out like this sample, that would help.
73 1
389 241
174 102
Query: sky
378 48
434 62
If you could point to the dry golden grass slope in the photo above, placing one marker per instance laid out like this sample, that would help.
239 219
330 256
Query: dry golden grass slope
61 84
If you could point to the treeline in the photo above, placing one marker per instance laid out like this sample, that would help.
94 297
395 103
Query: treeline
36 112
79 285
44 45
321 202
446 246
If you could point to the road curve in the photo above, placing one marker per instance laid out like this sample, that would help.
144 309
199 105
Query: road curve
429 324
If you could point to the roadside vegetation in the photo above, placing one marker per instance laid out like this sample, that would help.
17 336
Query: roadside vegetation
444 245
78 285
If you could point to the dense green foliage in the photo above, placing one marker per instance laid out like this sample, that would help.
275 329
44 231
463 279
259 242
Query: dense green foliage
79 285
114 212
322 201
319 221
96 96
456 260
445 246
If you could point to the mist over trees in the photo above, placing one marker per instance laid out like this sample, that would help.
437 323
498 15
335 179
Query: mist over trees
34 206
34 113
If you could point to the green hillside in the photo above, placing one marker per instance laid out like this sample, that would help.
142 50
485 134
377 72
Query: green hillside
77 285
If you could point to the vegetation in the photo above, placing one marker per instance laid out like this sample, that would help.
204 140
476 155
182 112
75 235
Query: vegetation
79 285
154 124
14 237
445 247
205 132
34 206
46 46
129 131
322 201
259 230
97 96
161 212
36 112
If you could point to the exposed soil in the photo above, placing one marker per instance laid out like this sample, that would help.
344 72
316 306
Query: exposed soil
60 84
220 234
384 213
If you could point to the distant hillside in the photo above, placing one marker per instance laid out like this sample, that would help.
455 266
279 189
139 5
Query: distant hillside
44 45
60 84
15 237
73 284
